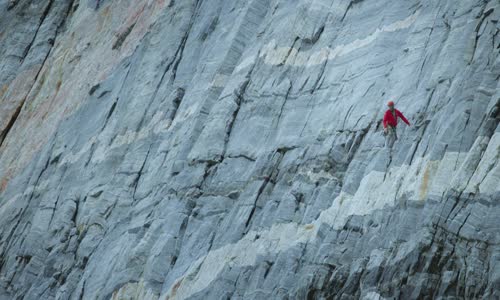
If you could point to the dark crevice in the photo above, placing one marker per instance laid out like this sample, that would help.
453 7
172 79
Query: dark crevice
259 193
109 210
115 103
3 135
210 166
9 126
270 177
211 242
346 116
456 200
304 84
269 265
461 226
12 4
316 35
122 37
321 72
182 46
19 218
182 232
104 93
283 150
42 19
307 121
229 130
91 154
239 99
356 145
283 105
429 100
425 47
110 113
210 29
369 88
289 52
351 3
346 11
71 10
179 95
426 123
75 213
54 209
93 89
421 70
139 174
485 14
299 200
299 259
29 201
242 156
175 60
82 291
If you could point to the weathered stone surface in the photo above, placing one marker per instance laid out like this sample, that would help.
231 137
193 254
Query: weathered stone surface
210 149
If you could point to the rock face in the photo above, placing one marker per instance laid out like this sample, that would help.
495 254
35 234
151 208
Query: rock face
216 149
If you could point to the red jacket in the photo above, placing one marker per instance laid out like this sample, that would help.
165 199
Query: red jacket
392 121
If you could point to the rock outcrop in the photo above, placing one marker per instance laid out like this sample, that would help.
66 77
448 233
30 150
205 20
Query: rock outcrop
216 149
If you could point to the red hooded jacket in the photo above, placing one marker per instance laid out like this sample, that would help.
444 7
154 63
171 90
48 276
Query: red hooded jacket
392 121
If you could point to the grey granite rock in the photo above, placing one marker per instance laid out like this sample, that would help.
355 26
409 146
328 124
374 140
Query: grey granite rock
211 149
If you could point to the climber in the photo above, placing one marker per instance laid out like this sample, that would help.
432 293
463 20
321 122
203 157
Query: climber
390 123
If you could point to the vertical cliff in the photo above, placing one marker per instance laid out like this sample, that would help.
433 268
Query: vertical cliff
216 149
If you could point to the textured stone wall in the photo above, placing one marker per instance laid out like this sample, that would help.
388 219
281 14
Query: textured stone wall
216 149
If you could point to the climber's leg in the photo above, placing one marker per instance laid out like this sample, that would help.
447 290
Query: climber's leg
390 138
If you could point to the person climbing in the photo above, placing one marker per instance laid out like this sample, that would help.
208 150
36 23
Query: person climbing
390 123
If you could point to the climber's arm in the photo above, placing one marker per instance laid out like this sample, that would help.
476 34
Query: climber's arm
402 117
